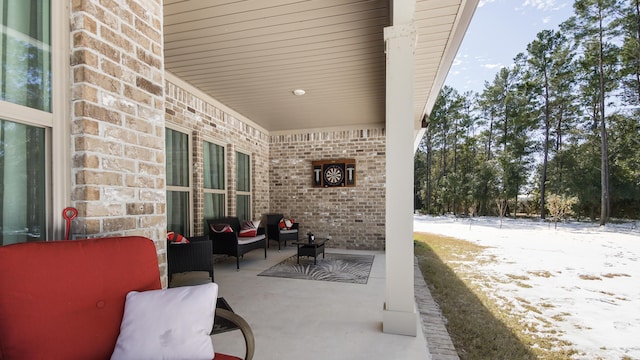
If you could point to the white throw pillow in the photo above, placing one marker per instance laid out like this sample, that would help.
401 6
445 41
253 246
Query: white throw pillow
168 324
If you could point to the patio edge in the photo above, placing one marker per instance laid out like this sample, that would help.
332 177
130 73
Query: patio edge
439 344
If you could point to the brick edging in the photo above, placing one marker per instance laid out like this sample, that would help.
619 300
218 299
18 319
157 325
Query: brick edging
439 344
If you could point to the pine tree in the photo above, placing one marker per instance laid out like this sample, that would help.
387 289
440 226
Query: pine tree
548 59
593 27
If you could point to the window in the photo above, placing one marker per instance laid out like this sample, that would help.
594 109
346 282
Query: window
25 49
214 183
26 119
178 182
243 186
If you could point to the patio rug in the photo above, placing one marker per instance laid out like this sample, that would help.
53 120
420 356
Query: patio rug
346 268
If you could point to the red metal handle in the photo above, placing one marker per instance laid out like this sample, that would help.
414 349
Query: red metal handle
69 214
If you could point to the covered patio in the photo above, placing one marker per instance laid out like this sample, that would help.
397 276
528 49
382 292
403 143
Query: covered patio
162 114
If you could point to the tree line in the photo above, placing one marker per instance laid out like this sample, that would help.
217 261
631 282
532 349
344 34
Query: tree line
562 120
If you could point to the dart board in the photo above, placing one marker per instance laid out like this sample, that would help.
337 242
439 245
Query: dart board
333 175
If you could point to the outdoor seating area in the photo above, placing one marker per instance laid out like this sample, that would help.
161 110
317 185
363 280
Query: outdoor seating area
170 123
308 319
97 275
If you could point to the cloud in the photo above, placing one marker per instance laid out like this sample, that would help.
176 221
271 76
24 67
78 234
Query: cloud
492 66
543 5
460 59
482 3
540 4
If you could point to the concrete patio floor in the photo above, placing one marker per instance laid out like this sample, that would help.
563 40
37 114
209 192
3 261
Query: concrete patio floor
308 319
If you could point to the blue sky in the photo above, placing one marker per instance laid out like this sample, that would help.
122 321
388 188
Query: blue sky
499 30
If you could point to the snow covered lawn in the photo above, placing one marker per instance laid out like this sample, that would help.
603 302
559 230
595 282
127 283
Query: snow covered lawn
582 279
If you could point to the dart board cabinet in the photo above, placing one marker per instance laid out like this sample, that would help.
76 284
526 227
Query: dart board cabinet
334 173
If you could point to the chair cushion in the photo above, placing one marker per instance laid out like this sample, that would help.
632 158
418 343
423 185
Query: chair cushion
176 238
65 299
168 324
286 224
249 240
231 220
221 228
226 357
249 228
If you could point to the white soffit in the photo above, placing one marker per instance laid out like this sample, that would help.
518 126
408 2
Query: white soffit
251 55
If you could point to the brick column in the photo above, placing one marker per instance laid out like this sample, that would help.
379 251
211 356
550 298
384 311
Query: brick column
231 180
117 130
198 183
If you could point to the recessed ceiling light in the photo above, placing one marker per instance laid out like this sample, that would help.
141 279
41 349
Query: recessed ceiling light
299 92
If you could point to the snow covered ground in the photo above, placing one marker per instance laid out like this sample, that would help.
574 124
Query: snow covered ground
583 279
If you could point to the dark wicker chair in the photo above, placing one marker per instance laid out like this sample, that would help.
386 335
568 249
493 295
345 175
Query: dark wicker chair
229 243
194 256
275 233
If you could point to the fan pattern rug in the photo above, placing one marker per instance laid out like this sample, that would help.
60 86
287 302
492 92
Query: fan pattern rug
346 268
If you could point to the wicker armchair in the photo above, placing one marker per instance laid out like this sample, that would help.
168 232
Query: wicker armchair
194 256
275 233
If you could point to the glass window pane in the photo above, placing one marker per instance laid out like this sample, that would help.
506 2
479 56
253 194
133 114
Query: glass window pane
213 205
25 53
22 183
178 212
243 208
243 182
177 145
213 166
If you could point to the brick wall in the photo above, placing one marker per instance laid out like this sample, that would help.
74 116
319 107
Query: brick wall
117 129
205 121
353 216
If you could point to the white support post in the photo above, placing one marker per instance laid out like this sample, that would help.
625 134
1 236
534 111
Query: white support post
400 315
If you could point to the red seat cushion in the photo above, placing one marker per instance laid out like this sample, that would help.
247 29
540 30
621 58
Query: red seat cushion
225 357
65 299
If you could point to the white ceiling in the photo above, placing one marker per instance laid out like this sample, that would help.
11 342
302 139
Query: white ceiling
251 54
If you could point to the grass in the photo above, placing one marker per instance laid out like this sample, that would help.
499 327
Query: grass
611 276
482 326
541 273
589 277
